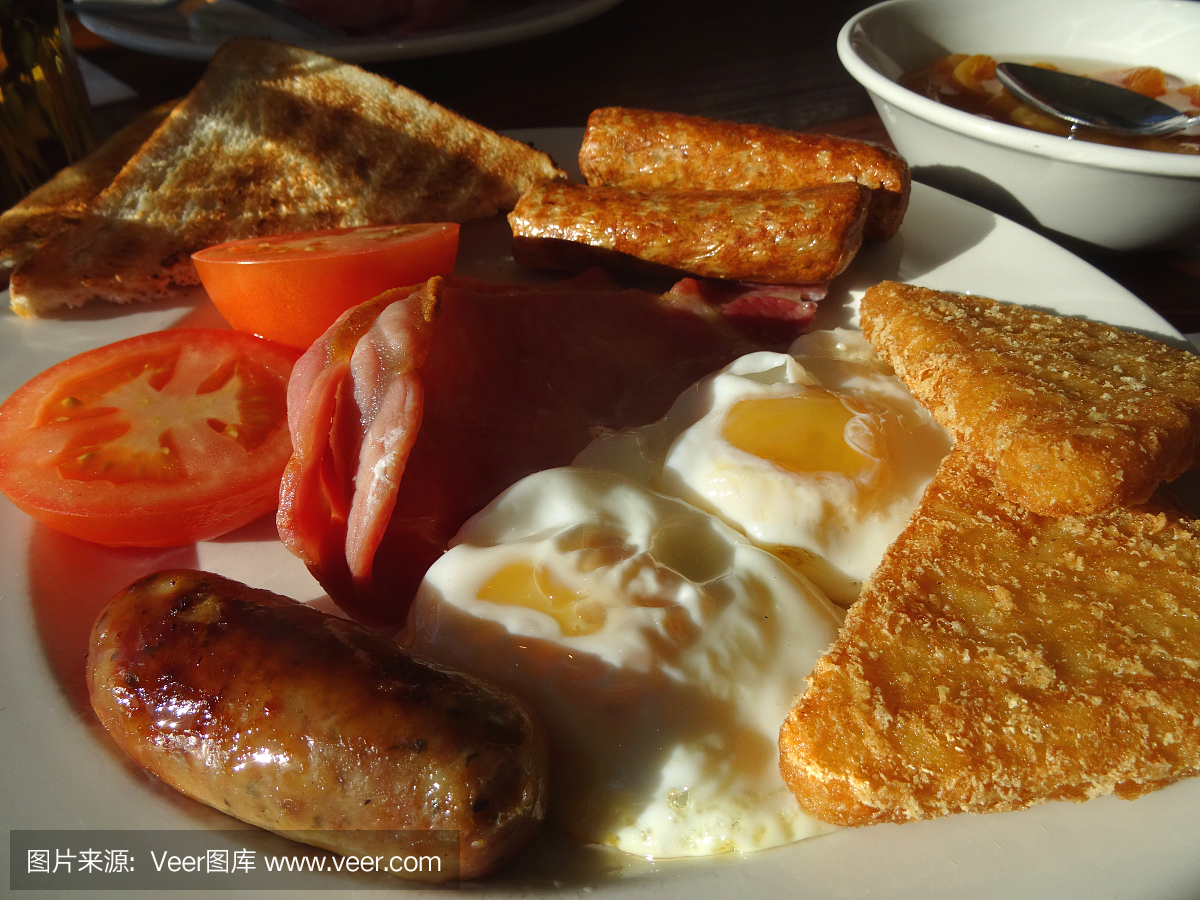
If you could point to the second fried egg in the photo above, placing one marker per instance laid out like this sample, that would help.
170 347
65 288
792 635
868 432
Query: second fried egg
819 455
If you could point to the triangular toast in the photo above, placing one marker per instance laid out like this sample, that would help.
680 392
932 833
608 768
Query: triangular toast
998 659
274 139
1066 416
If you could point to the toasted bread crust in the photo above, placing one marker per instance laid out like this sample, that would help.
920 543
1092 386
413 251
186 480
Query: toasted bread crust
998 659
776 237
275 139
1067 416
65 198
643 150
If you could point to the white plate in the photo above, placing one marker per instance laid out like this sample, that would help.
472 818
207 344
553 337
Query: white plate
166 33
60 770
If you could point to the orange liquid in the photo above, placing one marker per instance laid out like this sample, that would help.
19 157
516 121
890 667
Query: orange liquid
969 83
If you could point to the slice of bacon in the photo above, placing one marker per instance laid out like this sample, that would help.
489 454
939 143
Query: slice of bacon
416 409
774 314
354 409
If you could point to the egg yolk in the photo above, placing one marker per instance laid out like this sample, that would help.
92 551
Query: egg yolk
803 433
613 574
535 587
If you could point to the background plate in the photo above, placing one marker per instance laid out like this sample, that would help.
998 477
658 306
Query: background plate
60 770
166 33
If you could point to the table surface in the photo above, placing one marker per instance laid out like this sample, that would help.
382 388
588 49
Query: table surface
767 61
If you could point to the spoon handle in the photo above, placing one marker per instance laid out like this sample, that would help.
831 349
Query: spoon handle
1087 101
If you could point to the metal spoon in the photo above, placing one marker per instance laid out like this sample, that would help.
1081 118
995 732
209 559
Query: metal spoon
1096 104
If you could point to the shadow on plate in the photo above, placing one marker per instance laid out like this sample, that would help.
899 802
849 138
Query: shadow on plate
873 264
962 182
261 530
193 297
939 228
1186 491
70 581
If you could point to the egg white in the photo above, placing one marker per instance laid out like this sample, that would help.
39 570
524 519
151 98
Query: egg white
664 710
833 526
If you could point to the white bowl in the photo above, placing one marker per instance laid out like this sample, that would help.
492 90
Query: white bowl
1112 197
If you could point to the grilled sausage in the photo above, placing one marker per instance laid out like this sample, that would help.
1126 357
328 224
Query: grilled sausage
641 150
297 721
773 237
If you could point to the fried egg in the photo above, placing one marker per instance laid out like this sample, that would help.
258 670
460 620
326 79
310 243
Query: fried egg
659 646
819 455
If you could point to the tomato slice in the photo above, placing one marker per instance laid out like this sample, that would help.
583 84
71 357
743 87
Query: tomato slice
162 439
291 287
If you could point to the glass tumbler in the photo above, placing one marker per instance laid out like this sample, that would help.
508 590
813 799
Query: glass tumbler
45 118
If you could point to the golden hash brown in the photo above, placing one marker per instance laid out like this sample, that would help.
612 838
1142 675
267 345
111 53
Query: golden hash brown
1065 415
998 659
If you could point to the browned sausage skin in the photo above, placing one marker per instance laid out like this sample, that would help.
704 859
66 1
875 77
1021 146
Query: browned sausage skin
641 150
294 720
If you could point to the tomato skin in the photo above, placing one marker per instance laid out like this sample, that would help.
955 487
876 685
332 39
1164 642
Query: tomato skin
211 401
277 289
165 528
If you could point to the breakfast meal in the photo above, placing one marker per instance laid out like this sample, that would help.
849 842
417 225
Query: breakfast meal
1066 416
594 540
273 139
969 83
788 237
999 658
65 198
299 722
640 150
